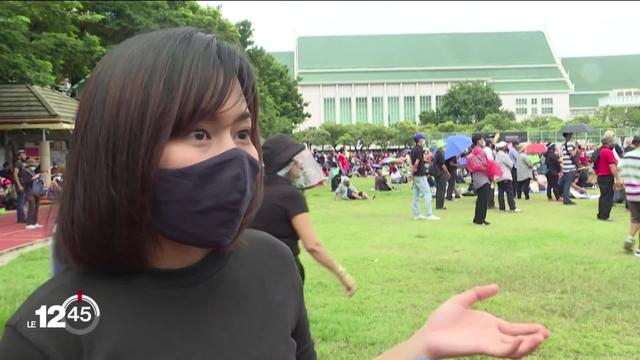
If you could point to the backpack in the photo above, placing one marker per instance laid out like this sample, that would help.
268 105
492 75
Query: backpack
38 188
595 158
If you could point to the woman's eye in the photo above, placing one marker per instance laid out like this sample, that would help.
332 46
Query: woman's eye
244 135
200 135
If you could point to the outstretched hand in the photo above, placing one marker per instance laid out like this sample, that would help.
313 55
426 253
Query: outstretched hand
454 329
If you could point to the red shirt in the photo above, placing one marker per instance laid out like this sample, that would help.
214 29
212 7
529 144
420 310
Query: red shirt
606 158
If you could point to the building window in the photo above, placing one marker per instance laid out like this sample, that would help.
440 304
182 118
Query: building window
377 107
394 109
534 111
330 110
547 101
345 111
547 110
425 103
521 111
438 100
627 93
362 115
620 93
636 93
410 108
521 101
534 101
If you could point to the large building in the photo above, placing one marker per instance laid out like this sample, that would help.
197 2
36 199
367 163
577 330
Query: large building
384 79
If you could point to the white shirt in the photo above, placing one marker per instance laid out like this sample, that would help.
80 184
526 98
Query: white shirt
489 152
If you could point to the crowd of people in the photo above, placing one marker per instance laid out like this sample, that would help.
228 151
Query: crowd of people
508 170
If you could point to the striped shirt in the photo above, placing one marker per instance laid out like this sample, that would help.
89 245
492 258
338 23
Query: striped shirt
567 149
630 173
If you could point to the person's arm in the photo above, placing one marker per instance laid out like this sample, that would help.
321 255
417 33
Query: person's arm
302 225
455 330
16 178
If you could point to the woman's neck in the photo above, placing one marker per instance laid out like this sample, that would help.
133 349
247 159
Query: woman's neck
172 255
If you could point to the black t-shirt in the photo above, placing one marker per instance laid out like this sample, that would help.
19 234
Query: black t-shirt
451 168
247 304
281 203
417 153
22 172
438 162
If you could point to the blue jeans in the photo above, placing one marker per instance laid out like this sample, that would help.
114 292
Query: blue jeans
20 207
567 180
421 186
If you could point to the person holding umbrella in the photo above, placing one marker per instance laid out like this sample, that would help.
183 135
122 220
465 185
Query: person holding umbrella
284 212
441 174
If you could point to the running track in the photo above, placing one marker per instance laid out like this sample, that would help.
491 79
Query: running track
14 236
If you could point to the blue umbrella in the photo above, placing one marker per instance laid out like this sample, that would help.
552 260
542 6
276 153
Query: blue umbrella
456 145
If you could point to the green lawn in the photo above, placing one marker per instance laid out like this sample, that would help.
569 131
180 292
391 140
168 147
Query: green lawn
556 265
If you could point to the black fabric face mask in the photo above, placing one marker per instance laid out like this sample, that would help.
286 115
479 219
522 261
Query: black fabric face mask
203 205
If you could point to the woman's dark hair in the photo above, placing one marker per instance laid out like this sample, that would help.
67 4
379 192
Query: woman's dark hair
148 89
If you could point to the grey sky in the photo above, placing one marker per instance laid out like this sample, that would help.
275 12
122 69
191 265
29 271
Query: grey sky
575 28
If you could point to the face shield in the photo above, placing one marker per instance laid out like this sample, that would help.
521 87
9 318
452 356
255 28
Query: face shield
311 173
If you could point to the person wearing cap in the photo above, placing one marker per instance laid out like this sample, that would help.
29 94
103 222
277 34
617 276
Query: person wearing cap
630 174
20 175
524 167
504 181
554 168
477 163
568 168
441 174
284 212
420 184
607 171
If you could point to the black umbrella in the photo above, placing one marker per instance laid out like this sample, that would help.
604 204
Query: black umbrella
577 128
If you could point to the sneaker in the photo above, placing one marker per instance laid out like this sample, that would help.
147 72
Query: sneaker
628 245
486 223
38 226
433 218
638 252
419 217
516 211
30 227
607 220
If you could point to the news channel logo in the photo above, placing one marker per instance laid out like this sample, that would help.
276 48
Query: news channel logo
79 314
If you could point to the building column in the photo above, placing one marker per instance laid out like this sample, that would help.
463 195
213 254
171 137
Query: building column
417 104
385 106
401 103
45 160
369 105
321 104
7 150
353 103
433 96
338 112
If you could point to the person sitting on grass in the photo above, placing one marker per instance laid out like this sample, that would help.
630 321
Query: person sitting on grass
346 191
381 183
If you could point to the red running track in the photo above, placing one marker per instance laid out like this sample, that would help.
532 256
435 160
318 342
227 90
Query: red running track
14 235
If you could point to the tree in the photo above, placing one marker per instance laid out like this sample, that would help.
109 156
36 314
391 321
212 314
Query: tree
44 42
446 127
469 102
503 120
282 103
335 132
429 117
346 140
406 130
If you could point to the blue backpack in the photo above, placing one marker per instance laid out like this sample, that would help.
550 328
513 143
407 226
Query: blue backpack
38 187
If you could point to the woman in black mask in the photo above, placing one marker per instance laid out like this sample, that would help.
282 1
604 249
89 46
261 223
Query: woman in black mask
284 212
164 173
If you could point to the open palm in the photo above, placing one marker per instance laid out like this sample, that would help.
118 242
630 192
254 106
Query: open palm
455 329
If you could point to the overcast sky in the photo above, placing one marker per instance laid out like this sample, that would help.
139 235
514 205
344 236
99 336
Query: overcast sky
575 28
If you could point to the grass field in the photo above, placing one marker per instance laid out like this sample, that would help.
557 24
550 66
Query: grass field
556 265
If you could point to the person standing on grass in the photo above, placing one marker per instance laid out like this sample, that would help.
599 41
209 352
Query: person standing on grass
452 167
607 171
554 168
284 212
490 150
420 184
568 168
524 168
504 182
477 163
630 173
343 163
513 155
441 175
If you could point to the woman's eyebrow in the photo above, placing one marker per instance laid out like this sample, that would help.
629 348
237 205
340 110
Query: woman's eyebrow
242 117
